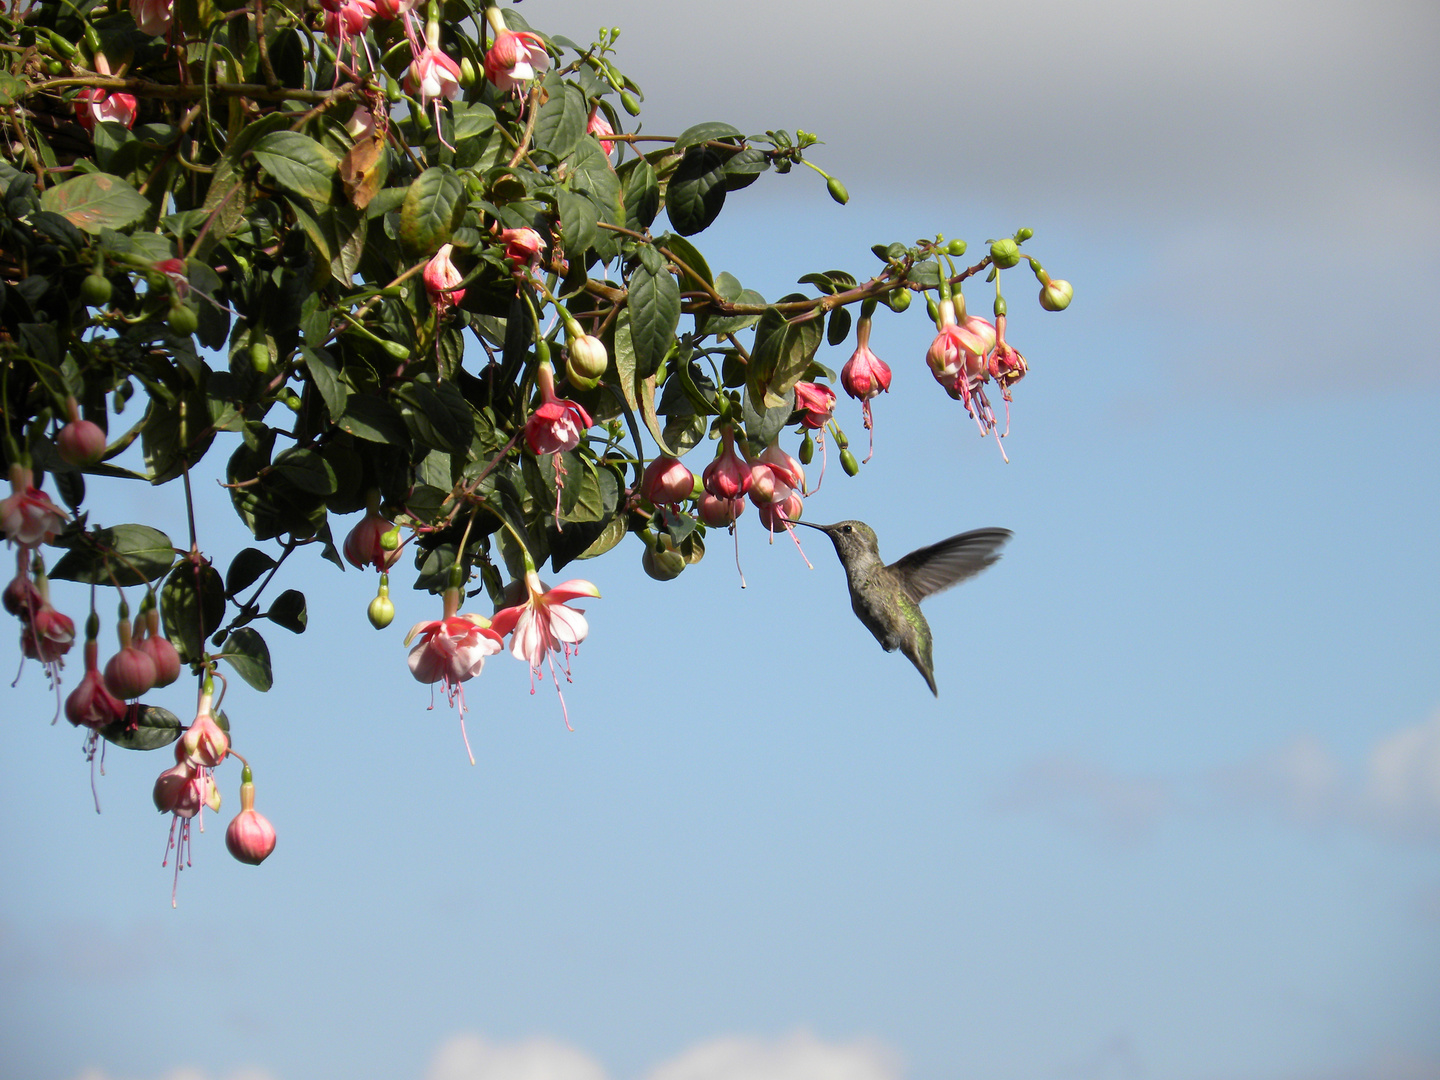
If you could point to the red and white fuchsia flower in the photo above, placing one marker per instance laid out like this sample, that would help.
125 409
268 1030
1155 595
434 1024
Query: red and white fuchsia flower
441 281
91 705
728 476
451 651
250 837
95 106
365 543
515 59
865 376
815 403
153 16
601 129
543 625
522 249
27 516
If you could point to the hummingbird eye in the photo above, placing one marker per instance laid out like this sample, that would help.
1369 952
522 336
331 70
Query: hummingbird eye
847 528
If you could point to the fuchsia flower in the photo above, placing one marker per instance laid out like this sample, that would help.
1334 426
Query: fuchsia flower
543 625
441 278
27 516
94 106
1007 366
250 837
47 637
719 513
433 75
728 476
159 649
514 59
363 545
601 129
452 650
345 19
131 671
557 423
153 16
91 705
815 403
522 248
204 743
80 442
667 481
865 376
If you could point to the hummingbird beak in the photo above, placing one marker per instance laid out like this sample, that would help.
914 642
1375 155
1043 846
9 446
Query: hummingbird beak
822 528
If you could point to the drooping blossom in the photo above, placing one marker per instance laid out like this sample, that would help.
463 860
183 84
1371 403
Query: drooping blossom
777 481
205 743
159 648
441 281
80 442
433 75
95 106
91 705
27 516
815 403
21 597
667 481
452 650
514 59
183 790
728 476
47 637
250 837
864 376
522 249
555 426
601 129
153 16
719 513
543 625
131 671
364 544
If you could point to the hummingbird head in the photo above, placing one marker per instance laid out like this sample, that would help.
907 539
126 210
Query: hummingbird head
852 539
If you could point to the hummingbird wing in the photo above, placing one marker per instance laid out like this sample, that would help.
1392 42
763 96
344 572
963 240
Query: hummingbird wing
933 569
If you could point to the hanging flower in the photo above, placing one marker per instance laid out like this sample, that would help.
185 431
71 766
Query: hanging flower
441 278
815 403
543 624
601 129
153 17
96 106
865 376
514 59
27 516
451 651
250 837
522 248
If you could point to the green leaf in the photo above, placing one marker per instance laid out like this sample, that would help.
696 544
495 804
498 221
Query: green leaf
245 569
433 207
147 727
306 469
288 611
654 315
592 175
696 193
839 328
193 604
561 121
745 167
245 650
782 352
120 555
374 420
642 194
298 163
707 132
328 379
95 201
437 414
577 223
687 253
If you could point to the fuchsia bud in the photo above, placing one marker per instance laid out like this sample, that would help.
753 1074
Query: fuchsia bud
815 403
667 481
601 129
162 654
586 360
364 546
130 671
80 442
250 837
522 248
90 704
719 513
728 476
514 59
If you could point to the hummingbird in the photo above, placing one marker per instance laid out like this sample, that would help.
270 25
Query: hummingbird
887 598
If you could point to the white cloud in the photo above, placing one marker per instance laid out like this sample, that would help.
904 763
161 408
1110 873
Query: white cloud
1301 780
800 1056
1090 796
1402 788
470 1057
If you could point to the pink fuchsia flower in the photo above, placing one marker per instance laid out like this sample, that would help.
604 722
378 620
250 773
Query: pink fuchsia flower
522 248
1006 366
345 19
250 837
204 743
392 9
601 129
364 544
865 376
158 648
130 672
94 106
22 598
557 423
27 516
184 791
452 650
441 281
48 636
80 442
153 16
514 59
719 513
91 705
543 625
728 476
667 481
433 75
815 403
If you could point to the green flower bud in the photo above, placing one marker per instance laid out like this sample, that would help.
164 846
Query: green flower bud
837 191
392 90
95 290
183 320
467 72
933 308
1005 253
260 357
1056 295
381 610
848 462
807 450
665 564
586 361
390 540
898 299
956 248
1021 235
628 102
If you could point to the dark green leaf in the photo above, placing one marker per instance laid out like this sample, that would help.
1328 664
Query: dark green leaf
328 379
247 653
147 727
245 569
708 132
687 253
744 168
192 602
288 611
374 420
696 193
95 201
561 121
642 195
121 555
839 328
433 207
654 315
577 223
298 163
307 470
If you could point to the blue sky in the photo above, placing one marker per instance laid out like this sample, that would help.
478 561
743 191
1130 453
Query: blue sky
1176 813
